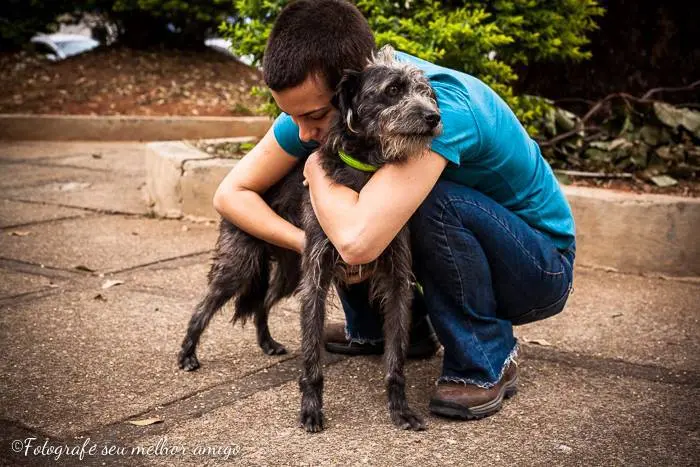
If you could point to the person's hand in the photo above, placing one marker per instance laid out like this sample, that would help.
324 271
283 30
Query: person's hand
358 273
311 167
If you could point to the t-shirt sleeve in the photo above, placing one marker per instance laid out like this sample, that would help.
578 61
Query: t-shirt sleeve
460 138
287 136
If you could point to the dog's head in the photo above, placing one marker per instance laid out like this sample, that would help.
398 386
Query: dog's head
389 102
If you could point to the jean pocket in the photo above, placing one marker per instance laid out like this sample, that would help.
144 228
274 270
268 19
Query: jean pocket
537 314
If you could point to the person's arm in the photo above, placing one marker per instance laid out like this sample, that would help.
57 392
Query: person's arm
238 197
361 225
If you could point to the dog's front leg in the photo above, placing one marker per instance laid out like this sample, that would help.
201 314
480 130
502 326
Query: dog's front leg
317 274
397 316
396 293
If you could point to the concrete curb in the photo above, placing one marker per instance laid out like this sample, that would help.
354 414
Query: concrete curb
636 233
615 230
18 127
181 179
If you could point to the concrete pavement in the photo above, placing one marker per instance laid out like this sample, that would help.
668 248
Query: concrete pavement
613 380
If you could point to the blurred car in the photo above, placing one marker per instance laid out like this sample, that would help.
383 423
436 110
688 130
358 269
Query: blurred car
61 46
224 46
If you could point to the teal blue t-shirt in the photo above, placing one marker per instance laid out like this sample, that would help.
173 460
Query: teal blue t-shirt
487 148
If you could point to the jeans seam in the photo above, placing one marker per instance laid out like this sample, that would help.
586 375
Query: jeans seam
461 288
452 200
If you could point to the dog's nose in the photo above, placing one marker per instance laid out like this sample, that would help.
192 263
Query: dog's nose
432 119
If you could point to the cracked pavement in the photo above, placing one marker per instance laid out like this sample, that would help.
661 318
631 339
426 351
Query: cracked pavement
613 380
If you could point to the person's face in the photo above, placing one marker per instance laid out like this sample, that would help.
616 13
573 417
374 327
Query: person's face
309 105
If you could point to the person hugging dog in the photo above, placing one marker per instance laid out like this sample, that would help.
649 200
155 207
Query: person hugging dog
492 234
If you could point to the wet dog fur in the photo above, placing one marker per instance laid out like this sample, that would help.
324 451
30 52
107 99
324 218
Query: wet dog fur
386 114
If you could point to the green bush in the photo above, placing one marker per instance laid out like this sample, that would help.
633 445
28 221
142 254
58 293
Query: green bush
175 23
484 39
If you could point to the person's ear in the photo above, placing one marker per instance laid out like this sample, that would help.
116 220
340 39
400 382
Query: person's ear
345 92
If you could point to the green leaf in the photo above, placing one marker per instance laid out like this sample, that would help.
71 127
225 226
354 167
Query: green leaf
565 119
650 134
675 117
598 155
639 155
563 178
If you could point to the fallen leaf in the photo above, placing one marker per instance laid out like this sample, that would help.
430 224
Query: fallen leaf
541 342
111 283
80 267
564 448
664 181
19 233
73 186
145 422
619 142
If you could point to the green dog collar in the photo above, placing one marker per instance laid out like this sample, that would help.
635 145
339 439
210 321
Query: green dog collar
354 163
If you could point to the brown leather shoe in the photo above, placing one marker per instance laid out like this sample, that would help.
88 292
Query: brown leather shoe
470 402
336 342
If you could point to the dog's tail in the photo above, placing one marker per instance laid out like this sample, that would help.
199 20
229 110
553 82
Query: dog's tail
240 269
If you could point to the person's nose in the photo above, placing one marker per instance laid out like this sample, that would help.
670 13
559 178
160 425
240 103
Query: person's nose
307 132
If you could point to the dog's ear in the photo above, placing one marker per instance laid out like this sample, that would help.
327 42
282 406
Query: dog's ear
345 92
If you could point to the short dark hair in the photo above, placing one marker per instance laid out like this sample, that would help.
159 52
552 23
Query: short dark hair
322 37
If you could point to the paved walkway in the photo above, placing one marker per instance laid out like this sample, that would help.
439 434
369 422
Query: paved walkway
613 380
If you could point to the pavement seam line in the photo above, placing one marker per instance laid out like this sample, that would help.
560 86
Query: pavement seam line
648 275
612 366
160 261
42 163
83 208
26 267
256 380
44 221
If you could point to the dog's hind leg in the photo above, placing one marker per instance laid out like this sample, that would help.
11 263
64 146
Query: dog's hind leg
256 301
392 287
285 279
220 290
316 279
232 272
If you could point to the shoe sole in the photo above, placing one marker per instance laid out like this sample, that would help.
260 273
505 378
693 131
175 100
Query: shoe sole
358 349
452 410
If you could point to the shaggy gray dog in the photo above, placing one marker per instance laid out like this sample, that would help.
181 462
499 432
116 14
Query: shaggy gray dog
386 113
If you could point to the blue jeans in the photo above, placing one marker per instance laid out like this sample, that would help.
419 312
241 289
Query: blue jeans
483 270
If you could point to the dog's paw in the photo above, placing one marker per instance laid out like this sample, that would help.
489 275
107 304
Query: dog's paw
312 420
408 420
188 362
272 347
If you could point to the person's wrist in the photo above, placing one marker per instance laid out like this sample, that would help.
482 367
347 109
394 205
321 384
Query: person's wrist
301 242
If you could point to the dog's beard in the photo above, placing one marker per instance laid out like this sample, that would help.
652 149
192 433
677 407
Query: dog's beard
398 148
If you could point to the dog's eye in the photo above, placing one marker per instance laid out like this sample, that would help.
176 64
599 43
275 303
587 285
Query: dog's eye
392 91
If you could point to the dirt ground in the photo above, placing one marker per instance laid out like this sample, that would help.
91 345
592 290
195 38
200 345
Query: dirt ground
689 188
126 82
